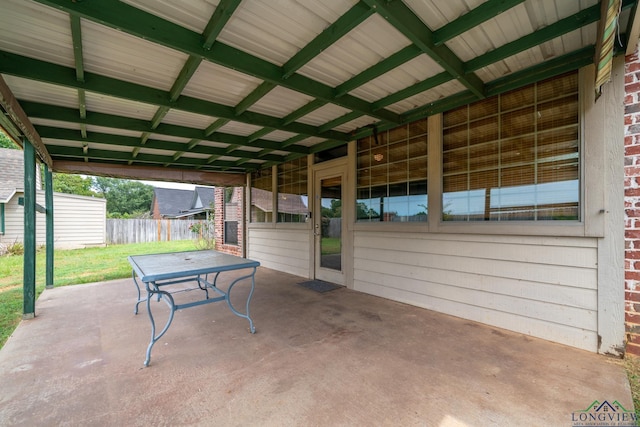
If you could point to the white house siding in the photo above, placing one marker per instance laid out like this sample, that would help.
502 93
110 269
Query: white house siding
541 286
280 249
78 221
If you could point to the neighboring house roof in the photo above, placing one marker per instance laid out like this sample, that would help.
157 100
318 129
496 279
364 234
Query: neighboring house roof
204 197
287 203
12 173
174 203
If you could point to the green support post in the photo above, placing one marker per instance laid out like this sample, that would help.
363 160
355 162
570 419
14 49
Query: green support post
48 198
29 280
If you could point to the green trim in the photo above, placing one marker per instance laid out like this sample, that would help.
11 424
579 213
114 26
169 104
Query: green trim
44 111
404 20
340 120
76 37
303 111
133 142
2 229
29 240
382 67
120 16
262 89
547 33
477 16
351 19
187 71
56 74
224 12
48 196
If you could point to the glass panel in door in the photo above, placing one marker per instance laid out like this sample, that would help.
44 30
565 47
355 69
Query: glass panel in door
331 223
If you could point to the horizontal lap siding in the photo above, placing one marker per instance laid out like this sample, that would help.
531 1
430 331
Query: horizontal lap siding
545 287
77 221
279 249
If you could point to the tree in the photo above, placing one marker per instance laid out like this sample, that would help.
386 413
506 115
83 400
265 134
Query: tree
125 198
6 142
72 184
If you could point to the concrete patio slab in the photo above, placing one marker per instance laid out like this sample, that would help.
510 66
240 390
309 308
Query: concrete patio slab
340 358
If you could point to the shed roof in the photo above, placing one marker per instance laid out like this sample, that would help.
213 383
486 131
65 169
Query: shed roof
223 87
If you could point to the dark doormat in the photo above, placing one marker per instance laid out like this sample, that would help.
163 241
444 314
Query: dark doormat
319 285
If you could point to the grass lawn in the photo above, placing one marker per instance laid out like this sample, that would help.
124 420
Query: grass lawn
71 267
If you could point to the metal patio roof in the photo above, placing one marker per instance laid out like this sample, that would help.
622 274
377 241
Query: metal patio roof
119 87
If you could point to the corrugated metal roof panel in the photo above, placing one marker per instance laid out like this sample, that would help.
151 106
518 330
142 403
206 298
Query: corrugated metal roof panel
113 131
184 118
30 90
252 149
310 142
237 128
108 147
191 14
261 28
24 31
280 153
279 135
61 142
354 124
323 115
215 83
213 144
449 88
155 151
363 47
119 107
280 101
55 123
437 13
122 56
161 137
418 69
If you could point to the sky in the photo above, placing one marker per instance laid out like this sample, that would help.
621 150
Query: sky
163 184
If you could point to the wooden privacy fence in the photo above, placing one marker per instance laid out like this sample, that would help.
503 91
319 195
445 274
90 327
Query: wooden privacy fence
123 231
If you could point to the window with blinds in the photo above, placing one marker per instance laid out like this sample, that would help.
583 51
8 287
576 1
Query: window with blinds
515 156
392 175
292 191
262 196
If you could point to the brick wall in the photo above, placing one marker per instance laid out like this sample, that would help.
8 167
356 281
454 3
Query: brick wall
221 245
632 203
